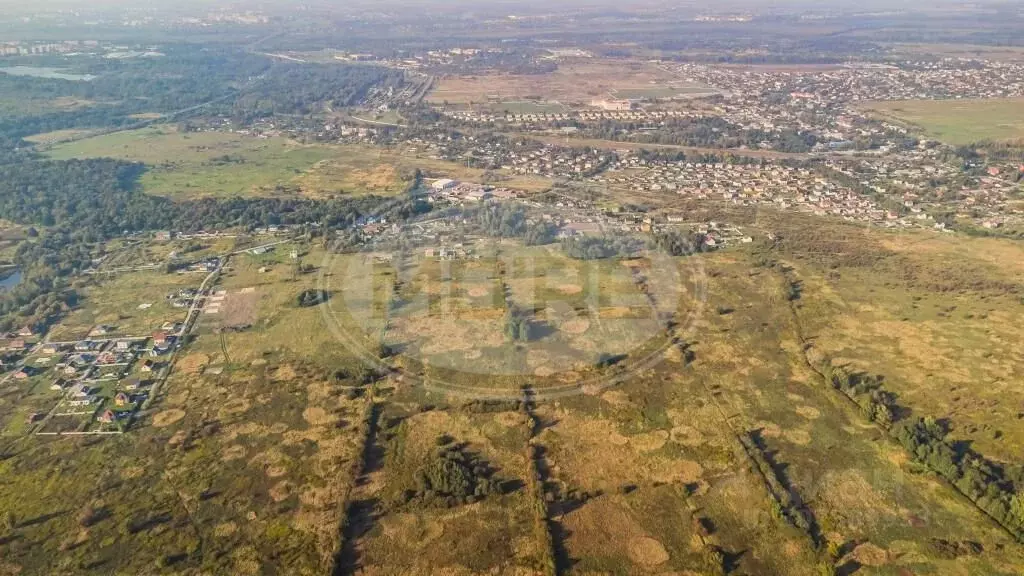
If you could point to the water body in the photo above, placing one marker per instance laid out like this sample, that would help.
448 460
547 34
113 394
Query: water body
10 281
44 72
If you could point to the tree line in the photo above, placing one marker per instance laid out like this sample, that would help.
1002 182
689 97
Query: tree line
993 487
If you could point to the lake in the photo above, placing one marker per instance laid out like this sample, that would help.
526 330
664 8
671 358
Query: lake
43 72
10 281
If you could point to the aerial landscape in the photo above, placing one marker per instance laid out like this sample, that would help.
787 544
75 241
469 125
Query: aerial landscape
416 287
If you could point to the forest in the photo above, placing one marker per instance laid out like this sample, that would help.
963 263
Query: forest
84 202
229 81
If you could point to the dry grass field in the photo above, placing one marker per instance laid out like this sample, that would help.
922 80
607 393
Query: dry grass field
272 446
198 165
943 329
575 82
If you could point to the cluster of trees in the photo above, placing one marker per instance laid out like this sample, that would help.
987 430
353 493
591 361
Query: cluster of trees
83 202
225 80
292 88
994 488
878 404
786 501
184 77
598 248
723 157
518 326
675 243
987 484
454 476
709 132
45 292
511 221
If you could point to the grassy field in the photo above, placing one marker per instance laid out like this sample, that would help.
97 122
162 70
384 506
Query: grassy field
205 164
860 487
240 466
941 327
957 121
28 106
56 136
577 82
273 450
527 107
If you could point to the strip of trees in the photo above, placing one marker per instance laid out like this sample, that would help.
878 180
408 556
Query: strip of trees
996 488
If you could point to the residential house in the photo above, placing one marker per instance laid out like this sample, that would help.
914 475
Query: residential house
84 345
81 391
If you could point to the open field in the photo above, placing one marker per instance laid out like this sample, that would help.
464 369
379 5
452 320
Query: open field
240 465
27 106
272 445
196 165
526 107
493 534
203 164
576 82
858 486
56 136
131 304
617 145
957 121
940 327
973 51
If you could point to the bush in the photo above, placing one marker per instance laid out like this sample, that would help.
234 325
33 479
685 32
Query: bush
312 297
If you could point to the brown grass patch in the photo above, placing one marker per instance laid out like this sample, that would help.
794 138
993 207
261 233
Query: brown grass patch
769 429
603 527
570 289
591 453
650 441
809 412
235 406
576 326
284 373
233 452
225 529
799 436
281 491
647 551
510 419
316 416
168 417
616 398
132 472
687 436
193 364
870 555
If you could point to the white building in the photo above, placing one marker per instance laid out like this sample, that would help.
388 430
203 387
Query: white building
443 184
